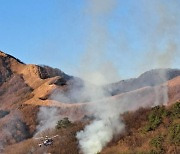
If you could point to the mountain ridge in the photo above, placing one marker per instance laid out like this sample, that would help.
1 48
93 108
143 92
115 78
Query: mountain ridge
24 88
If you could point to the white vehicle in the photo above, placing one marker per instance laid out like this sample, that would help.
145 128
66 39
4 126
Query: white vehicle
46 141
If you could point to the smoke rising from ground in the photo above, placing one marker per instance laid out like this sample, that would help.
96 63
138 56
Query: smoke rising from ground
95 62
108 123
13 131
162 51
47 118
97 69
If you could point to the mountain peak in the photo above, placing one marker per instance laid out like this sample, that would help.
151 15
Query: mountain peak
5 55
2 54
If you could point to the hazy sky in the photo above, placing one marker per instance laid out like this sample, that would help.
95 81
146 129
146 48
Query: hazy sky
136 35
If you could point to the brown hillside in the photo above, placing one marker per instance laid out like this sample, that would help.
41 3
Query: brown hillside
20 83
136 139
26 87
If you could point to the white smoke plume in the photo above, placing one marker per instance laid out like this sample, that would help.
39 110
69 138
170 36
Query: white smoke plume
47 118
97 69
107 123
161 34
96 135
13 131
95 62
162 37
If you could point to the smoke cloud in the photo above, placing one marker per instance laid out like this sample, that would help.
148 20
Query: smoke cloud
161 53
95 62
13 131
98 69
47 118
162 34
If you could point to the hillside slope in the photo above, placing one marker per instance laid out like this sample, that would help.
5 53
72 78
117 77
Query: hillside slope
19 83
148 131
24 88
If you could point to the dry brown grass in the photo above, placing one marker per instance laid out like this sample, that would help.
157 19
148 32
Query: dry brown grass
14 92
136 140
20 83
65 143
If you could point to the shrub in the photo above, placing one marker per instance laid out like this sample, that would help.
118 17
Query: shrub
153 122
155 152
64 123
174 134
176 110
157 142
155 117
161 111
